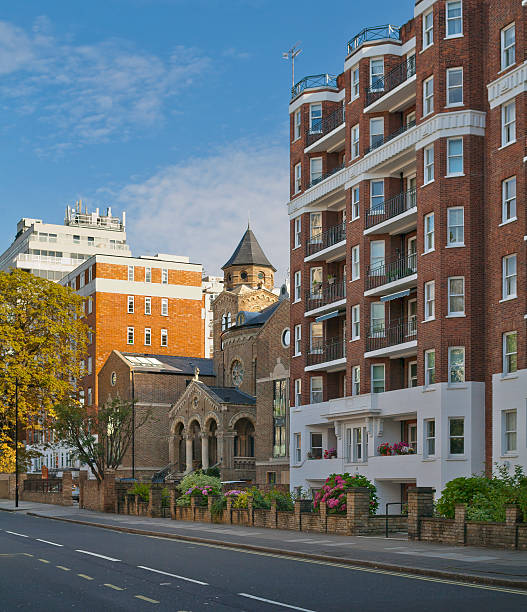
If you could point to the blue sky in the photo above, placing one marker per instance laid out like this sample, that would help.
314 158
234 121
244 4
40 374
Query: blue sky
174 110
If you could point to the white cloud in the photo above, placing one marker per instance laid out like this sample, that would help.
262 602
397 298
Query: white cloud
200 207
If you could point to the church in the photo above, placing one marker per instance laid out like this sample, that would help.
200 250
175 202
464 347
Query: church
240 423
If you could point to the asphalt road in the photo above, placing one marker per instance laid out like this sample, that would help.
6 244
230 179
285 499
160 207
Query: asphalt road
48 565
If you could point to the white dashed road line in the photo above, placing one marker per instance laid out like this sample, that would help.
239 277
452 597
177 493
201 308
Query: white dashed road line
17 534
86 552
276 603
150 569
48 542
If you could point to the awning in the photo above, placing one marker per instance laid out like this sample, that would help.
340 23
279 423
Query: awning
329 315
395 296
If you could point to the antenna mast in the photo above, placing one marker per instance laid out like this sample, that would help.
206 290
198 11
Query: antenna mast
290 55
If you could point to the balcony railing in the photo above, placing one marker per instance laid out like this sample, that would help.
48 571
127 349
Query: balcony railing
376 33
324 126
382 336
390 271
383 140
386 83
312 82
326 175
325 293
244 463
326 239
321 352
391 208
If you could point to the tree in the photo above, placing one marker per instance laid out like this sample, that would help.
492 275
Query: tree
42 344
99 438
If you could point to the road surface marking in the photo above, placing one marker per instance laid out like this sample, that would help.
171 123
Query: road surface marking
66 569
112 586
86 552
15 533
43 560
85 577
48 542
276 603
150 569
146 599
28 555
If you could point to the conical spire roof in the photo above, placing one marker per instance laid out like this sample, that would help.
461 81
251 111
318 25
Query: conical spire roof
249 252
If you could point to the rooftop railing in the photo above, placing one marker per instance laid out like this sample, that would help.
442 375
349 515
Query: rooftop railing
322 294
323 240
386 83
379 141
391 270
325 125
312 82
382 336
382 32
391 208
322 352
325 175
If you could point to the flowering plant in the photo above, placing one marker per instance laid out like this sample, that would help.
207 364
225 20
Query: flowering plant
334 492
403 448
232 493
385 449
330 454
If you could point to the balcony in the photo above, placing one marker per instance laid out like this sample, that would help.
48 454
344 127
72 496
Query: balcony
324 295
395 467
399 83
399 273
315 81
377 33
325 134
329 245
393 216
325 175
329 355
381 141
396 340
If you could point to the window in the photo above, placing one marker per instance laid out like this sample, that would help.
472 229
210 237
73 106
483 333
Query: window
316 445
430 437
508 46
355 322
315 227
229 320
298 178
454 87
164 337
316 332
130 304
148 336
454 19
316 283
377 378
90 365
90 396
148 305
412 374
376 257
456 435
315 169
298 125
298 231
508 123
298 285
355 206
428 29
130 335
510 276
359 444
148 275
355 380
164 307
377 74
316 390
286 337
223 322
164 276
81 280
298 448
412 253
377 319
90 274
456 364
298 339
315 118
355 262
508 206
510 352
280 402
454 156
412 317
355 141
429 233
355 83
91 239
90 305
428 164
298 392
130 273
430 301
76 239
377 197
456 296
510 435
376 132
456 226
428 96
430 367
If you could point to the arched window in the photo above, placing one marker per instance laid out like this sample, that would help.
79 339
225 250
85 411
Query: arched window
229 320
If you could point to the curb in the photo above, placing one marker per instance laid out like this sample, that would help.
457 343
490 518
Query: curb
359 563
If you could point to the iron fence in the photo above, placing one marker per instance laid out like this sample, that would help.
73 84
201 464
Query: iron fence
324 126
314 81
325 293
325 175
381 141
322 352
382 32
49 485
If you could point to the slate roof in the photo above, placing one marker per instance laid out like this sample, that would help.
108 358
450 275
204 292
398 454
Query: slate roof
249 252
232 395
175 364
257 318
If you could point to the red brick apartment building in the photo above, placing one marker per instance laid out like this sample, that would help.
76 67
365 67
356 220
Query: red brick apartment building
408 228
146 305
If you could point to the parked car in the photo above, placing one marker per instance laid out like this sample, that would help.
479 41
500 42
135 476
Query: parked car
75 492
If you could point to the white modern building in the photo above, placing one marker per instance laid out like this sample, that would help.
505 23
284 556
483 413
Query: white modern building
212 286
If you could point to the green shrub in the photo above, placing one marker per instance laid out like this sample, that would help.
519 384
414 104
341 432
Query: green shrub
284 501
213 471
198 479
217 507
141 489
461 491
334 492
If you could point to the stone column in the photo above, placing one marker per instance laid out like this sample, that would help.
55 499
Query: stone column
109 499
298 515
173 504
250 509
323 518
226 452
193 505
204 450
274 515
155 501
460 526
210 500
67 483
420 504
357 510
513 516
229 510
188 455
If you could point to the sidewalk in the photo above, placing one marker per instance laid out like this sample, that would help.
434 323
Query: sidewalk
482 565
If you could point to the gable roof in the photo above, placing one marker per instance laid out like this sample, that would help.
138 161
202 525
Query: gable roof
248 252
232 395
170 363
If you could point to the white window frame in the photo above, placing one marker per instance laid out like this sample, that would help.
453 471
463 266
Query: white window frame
298 340
148 336
312 391
377 200
315 174
130 335
315 227
90 397
148 275
428 30
429 233
428 96
130 305
449 20
355 141
428 164
374 77
411 378
130 274
376 329
355 262
355 380
452 157
298 392
355 203
376 121
164 337
355 322
298 232
452 225
90 304
374 380
430 305
505 59
359 445
461 367
164 307
90 365
508 123
510 432
509 280
450 89
412 317
164 276
429 438
298 285
318 128
316 340
297 125
452 296
508 201
430 368
298 178
508 367
148 305
298 447
456 436
355 82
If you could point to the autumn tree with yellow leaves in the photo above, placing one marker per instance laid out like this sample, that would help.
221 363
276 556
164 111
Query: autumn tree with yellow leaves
42 343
